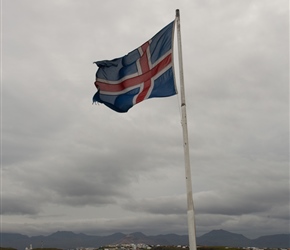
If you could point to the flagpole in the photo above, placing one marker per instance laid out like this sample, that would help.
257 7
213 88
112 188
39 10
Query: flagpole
190 210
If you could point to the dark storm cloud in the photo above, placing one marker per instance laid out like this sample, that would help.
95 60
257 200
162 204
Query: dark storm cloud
66 186
18 205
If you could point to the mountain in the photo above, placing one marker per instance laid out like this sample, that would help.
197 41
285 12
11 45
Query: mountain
278 240
223 238
14 240
69 240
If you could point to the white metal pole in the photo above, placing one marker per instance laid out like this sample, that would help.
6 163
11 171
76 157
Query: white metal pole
190 210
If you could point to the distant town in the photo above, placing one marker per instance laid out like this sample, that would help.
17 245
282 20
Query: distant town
142 246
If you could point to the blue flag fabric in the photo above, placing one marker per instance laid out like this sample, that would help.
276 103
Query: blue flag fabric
145 72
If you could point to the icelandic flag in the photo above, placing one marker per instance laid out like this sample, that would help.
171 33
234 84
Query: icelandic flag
144 73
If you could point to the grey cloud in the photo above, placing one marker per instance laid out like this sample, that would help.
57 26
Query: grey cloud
19 205
235 202
175 205
125 172
76 189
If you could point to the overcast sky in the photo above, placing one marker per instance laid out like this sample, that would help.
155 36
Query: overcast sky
69 165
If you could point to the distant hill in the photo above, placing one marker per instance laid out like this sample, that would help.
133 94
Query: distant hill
223 238
69 240
278 240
